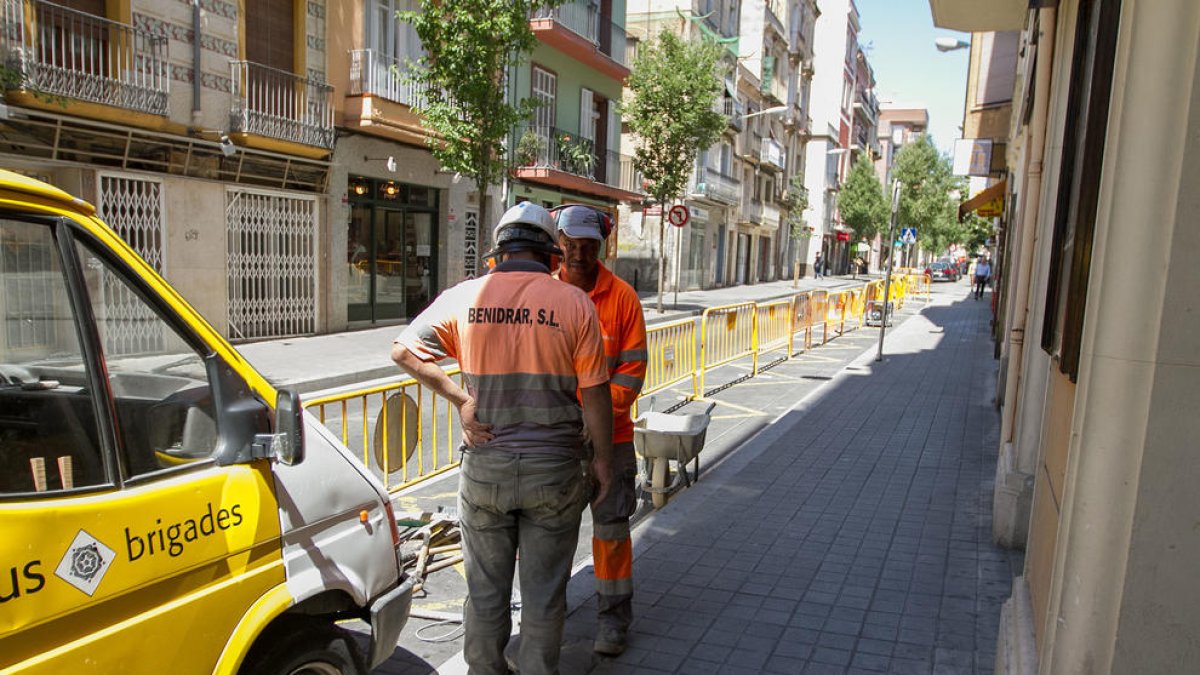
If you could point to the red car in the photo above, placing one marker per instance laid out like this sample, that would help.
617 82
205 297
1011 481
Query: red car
941 271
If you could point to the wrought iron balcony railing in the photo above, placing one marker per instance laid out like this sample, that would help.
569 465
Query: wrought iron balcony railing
584 19
377 74
717 186
282 105
66 53
539 147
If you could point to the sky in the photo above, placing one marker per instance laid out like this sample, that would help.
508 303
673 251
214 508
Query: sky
899 38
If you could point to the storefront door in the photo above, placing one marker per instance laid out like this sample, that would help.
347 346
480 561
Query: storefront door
390 261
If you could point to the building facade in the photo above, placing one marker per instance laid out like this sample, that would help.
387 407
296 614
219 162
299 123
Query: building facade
207 151
1096 469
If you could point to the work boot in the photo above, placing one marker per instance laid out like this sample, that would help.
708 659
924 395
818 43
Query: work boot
610 640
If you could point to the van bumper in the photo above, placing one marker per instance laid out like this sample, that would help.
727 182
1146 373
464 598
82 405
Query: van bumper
389 613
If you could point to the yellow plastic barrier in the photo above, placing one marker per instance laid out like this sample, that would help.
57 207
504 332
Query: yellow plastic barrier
407 434
727 333
774 327
802 317
402 431
819 306
671 351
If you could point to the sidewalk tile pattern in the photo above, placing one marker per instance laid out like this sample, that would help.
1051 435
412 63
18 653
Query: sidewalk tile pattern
857 539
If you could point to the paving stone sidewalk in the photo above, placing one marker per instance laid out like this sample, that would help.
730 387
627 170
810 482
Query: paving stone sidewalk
853 535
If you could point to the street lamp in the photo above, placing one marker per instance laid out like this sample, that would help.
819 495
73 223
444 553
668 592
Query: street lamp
949 44
767 111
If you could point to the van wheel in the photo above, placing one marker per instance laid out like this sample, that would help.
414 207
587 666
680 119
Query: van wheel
304 647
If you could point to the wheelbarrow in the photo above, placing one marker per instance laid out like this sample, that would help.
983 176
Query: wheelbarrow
662 438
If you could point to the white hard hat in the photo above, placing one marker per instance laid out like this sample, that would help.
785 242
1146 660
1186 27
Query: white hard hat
525 226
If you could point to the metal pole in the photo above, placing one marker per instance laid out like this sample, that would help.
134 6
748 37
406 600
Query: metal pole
887 283
678 262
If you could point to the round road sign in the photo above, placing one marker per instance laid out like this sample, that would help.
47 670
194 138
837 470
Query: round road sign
678 215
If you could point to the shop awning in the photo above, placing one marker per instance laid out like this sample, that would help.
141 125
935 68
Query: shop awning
989 202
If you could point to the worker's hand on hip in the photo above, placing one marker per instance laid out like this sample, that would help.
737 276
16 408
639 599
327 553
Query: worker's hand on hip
474 432
602 475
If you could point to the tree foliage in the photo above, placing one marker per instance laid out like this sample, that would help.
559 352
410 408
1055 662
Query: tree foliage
927 200
471 46
795 200
674 84
861 202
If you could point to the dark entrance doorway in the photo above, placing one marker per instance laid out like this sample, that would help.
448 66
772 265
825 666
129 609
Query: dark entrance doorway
390 256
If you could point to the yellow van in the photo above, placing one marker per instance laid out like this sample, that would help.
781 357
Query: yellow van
163 509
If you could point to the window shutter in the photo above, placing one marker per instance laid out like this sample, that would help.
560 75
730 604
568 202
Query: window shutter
587 129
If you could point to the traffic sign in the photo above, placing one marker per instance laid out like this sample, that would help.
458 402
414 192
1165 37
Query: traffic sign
908 235
678 215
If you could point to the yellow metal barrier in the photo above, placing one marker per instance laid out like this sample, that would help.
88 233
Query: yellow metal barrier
819 306
671 350
402 431
405 433
727 333
774 327
802 317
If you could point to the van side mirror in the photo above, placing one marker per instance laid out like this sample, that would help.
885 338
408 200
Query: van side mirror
288 442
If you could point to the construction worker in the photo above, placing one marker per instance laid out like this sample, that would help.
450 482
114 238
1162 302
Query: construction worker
582 231
525 344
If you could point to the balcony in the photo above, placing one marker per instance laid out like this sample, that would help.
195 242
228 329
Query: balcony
717 186
770 215
772 154
866 105
735 111
562 159
62 52
375 74
750 212
775 16
280 105
578 30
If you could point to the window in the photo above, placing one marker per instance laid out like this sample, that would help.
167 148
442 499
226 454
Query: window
56 431
269 39
1079 181
48 434
161 394
545 91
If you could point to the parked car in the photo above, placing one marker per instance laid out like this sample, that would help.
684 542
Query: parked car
942 271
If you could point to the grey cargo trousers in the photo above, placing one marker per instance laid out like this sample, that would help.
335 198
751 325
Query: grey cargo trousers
531 503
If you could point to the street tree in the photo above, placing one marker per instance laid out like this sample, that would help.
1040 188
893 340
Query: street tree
471 46
673 85
795 201
929 199
861 202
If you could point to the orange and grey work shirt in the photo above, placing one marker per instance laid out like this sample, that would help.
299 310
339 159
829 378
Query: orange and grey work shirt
624 328
524 343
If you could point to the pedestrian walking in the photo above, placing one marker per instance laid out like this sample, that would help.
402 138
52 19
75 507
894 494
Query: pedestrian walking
582 231
530 350
818 266
983 274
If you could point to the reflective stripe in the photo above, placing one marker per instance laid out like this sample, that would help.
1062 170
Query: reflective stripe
631 355
628 381
612 559
611 531
612 363
617 587
524 397
524 381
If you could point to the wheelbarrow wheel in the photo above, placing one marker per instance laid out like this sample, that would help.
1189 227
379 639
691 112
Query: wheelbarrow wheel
658 480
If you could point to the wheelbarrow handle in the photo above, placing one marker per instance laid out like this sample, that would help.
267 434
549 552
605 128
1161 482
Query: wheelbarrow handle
708 410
